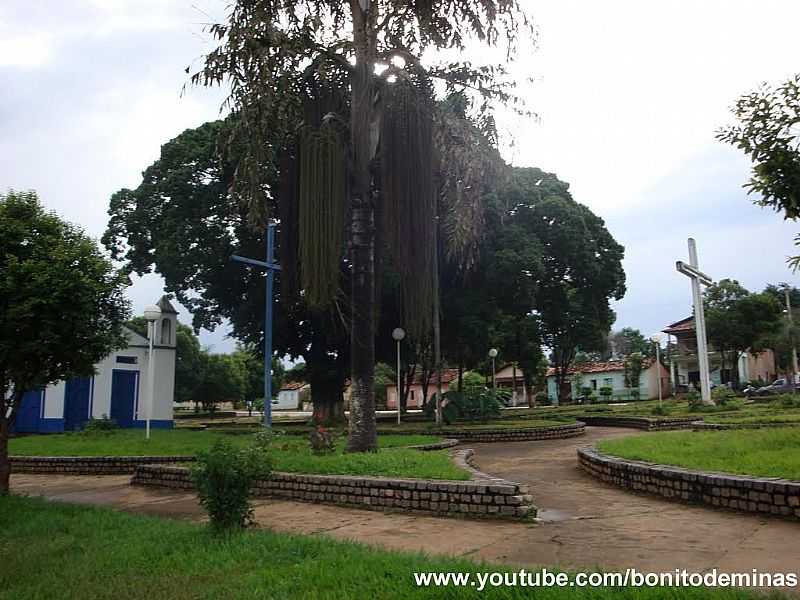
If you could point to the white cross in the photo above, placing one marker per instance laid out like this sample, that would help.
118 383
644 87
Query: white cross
697 277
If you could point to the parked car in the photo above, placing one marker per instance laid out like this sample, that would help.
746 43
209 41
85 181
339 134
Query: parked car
779 386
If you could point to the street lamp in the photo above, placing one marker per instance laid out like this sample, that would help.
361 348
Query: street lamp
151 314
493 355
398 334
657 341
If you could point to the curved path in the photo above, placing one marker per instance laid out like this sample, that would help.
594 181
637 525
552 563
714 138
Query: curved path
584 523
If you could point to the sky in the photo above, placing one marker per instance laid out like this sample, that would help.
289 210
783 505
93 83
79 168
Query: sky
628 95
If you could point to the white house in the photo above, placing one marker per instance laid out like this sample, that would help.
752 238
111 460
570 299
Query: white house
118 390
610 374
292 396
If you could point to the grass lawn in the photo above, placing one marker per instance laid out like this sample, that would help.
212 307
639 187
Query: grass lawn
52 550
771 452
290 453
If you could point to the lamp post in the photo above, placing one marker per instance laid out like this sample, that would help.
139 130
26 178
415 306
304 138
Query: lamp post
657 341
493 355
398 334
151 314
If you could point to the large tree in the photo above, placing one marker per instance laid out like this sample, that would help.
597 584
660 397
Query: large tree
581 267
629 340
342 85
62 306
768 131
738 320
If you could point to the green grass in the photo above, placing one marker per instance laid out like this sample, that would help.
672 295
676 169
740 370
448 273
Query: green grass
289 453
773 452
53 550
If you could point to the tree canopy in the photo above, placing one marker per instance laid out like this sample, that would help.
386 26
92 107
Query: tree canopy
768 132
738 320
339 92
62 306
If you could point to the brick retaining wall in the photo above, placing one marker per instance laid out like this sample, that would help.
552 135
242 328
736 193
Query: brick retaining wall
645 423
751 494
88 465
703 426
482 497
519 434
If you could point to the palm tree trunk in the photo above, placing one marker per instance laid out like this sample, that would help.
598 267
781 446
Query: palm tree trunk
363 434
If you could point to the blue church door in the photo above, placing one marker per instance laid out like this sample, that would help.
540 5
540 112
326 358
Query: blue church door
29 413
124 390
76 402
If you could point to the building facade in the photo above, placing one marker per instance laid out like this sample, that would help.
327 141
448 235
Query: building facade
118 389
685 371
611 374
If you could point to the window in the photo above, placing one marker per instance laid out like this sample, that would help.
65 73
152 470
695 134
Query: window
127 360
166 331
594 384
608 382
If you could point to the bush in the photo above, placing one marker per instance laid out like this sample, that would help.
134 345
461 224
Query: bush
101 425
693 398
722 394
476 404
606 392
541 398
223 476
659 410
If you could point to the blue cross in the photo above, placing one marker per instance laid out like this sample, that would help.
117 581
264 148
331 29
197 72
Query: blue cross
270 267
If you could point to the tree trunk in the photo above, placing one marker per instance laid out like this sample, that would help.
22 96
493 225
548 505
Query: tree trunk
363 433
409 381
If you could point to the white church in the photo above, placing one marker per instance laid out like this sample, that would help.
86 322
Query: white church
119 389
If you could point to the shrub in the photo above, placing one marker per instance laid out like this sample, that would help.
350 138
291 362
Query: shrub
321 441
223 476
660 410
635 394
693 398
606 392
722 394
101 425
476 404
541 398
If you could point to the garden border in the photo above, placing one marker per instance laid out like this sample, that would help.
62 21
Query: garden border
703 426
482 497
519 434
763 495
645 423
88 465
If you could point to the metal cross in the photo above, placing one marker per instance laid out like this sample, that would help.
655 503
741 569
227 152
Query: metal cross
698 277
270 267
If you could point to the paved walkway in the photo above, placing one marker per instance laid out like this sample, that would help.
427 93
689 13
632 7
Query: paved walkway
585 523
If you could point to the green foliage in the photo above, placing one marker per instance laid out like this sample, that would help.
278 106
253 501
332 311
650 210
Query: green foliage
384 376
606 392
542 398
223 476
722 395
694 400
99 426
660 410
766 118
473 404
629 340
633 365
62 306
737 320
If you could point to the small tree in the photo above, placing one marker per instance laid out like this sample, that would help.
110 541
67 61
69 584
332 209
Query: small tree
633 373
61 306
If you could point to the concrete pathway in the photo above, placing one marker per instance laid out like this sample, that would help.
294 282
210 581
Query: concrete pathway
585 523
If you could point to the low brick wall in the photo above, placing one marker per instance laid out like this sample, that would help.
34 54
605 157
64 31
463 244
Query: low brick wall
483 497
519 434
443 445
644 423
703 426
763 495
89 465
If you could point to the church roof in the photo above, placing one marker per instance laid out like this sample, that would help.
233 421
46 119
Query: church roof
683 326
166 306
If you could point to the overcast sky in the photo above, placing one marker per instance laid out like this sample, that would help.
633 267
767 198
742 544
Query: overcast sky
628 93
